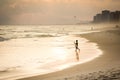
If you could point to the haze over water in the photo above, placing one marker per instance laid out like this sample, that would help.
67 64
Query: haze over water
28 50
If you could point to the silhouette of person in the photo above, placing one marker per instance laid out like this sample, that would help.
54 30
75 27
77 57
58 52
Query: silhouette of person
76 44
77 50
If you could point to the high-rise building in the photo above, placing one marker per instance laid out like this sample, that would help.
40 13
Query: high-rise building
117 16
107 16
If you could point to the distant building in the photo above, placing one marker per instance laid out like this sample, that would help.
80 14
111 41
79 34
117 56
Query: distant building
107 16
98 18
112 16
117 16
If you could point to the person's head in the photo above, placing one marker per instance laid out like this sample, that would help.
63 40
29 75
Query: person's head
77 41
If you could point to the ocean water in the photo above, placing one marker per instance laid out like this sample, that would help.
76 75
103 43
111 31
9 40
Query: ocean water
27 50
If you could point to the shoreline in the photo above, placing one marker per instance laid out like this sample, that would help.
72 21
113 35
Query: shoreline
69 60
108 42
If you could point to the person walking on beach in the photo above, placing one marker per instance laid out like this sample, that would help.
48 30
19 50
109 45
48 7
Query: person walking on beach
77 50
76 44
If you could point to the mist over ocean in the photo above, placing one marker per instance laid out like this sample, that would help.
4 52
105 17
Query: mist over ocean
32 49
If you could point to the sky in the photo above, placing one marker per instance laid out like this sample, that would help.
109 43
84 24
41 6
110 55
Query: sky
53 11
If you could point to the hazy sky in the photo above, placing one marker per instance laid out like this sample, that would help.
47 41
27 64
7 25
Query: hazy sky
52 11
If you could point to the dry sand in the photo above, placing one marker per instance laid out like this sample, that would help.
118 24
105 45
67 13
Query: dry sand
105 67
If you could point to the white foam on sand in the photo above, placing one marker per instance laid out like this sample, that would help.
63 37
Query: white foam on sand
32 56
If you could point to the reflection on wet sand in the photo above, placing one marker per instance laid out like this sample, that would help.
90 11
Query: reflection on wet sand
77 51
44 55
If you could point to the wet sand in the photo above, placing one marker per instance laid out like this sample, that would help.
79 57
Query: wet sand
105 67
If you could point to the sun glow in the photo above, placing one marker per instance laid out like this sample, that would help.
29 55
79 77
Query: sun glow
60 53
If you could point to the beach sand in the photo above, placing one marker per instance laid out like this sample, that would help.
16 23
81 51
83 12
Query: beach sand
105 67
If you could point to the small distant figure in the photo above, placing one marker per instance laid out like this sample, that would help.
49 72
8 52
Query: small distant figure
91 28
76 44
117 26
77 50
